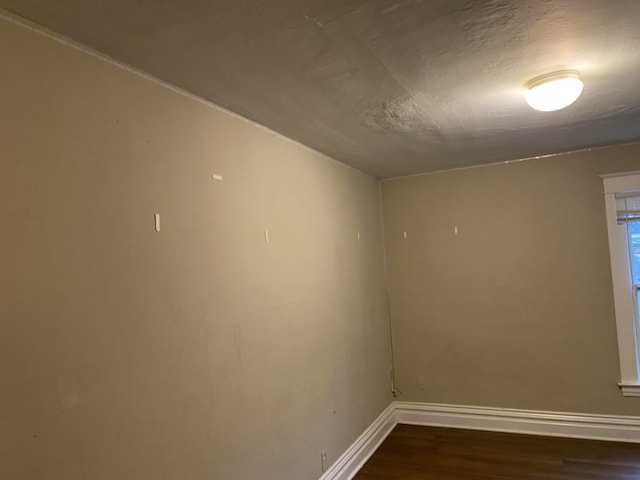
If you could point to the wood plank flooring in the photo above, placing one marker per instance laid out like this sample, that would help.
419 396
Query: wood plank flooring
421 453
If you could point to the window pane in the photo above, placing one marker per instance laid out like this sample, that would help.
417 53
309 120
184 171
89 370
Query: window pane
634 237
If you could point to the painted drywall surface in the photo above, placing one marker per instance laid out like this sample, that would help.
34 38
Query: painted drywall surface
432 84
516 310
197 352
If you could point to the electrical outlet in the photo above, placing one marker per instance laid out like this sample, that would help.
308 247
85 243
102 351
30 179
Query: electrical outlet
323 460
422 383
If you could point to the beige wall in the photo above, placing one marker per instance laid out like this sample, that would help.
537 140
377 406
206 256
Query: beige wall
517 309
197 352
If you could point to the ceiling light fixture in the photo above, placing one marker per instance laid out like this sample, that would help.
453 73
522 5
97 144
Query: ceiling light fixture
554 91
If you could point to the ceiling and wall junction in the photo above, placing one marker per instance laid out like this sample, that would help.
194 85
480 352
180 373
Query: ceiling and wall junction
390 87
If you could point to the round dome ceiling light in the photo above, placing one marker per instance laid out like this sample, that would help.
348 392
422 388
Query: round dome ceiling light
554 91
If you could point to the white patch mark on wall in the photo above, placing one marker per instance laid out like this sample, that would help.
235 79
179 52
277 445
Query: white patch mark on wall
313 20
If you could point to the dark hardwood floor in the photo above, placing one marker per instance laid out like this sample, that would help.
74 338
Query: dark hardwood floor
420 453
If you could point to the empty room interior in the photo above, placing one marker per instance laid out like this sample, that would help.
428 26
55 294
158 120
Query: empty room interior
319 239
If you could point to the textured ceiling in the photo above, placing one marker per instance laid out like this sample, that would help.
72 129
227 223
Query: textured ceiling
390 87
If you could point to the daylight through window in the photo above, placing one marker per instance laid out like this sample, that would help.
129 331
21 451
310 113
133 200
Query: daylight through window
622 201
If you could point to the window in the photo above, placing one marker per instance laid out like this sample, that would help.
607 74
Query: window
622 201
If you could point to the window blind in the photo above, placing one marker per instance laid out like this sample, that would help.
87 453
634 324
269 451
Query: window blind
628 206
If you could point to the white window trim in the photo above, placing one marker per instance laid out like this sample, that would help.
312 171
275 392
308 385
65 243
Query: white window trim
623 289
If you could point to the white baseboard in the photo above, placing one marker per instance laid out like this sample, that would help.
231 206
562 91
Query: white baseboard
574 425
357 454
532 422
